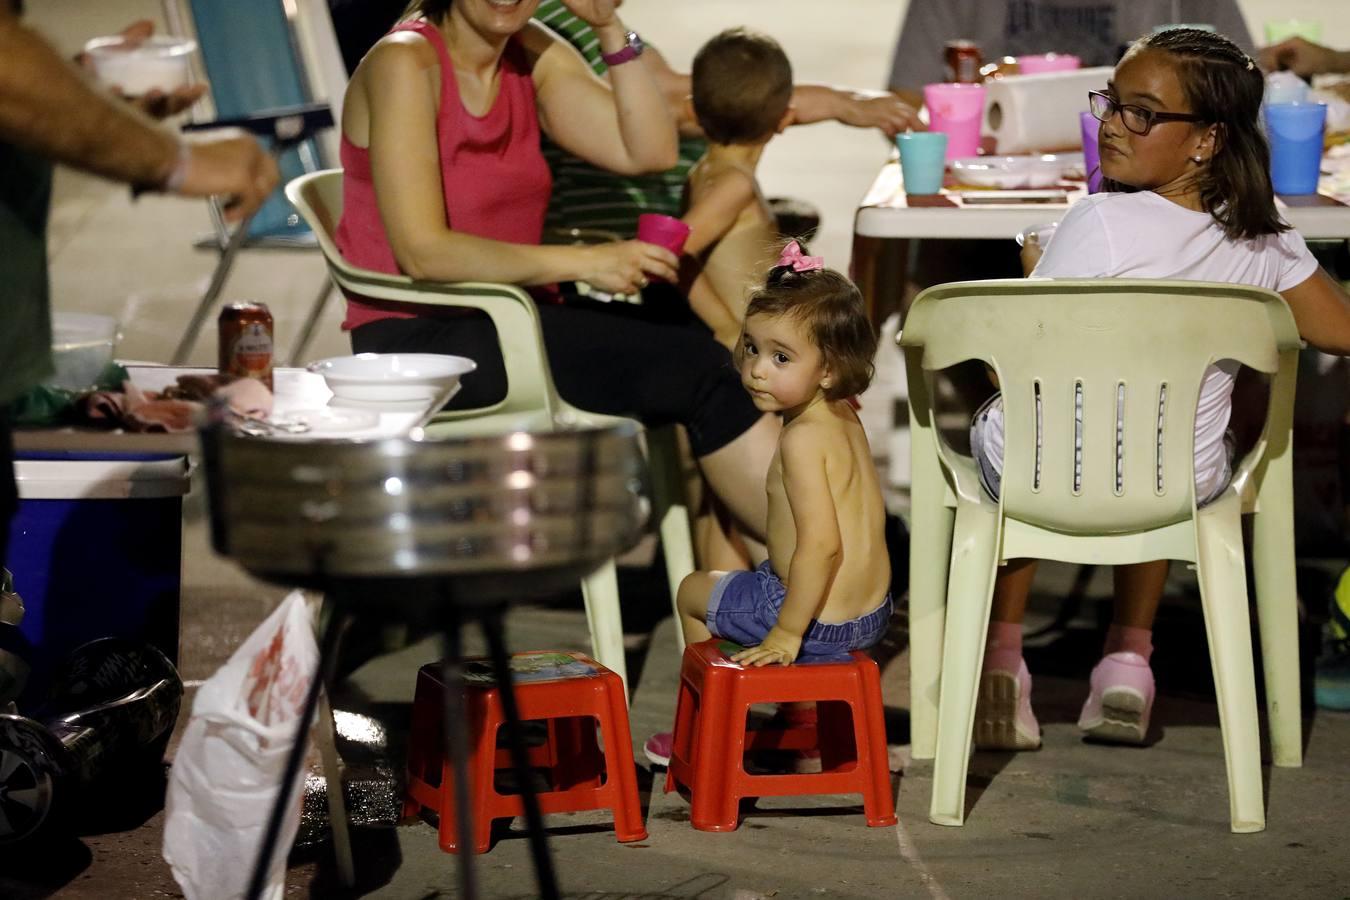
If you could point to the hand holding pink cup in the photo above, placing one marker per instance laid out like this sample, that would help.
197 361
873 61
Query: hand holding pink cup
663 231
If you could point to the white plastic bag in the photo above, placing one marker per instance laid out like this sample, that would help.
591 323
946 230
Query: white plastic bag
227 770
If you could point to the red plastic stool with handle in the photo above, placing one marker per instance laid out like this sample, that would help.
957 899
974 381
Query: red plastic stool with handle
574 694
711 736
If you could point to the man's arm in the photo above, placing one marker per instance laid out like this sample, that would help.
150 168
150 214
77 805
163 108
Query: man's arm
49 107
1304 58
810 102
861 109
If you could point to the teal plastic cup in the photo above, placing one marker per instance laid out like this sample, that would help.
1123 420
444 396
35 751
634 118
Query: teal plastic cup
923 160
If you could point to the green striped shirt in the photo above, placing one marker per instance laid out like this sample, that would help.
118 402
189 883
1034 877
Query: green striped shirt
587 197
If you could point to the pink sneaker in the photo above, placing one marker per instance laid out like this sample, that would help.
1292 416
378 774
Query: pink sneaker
1121 699
659 747
1003 716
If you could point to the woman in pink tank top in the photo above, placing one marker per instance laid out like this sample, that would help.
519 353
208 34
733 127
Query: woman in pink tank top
445 181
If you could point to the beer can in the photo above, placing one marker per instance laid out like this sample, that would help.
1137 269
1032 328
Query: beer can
245 331
961 61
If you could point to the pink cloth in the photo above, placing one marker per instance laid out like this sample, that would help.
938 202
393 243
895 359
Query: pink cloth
493 175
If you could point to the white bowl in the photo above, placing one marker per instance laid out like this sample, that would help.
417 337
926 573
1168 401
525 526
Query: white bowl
82 346
1012 172
159 62
392 377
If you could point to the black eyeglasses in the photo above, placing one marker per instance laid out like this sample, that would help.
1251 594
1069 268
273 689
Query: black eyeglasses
1139 119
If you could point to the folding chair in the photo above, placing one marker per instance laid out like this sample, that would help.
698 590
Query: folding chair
251 56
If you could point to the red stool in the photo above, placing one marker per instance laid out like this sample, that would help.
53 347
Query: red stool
573 693
711 737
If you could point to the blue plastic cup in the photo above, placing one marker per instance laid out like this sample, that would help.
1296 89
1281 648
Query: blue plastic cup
922 160
1295 131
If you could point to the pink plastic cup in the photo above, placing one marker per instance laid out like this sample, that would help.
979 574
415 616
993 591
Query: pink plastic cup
956 110
663 231
1047 62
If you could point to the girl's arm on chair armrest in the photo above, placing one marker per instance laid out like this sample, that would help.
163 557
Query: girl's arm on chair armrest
1321 310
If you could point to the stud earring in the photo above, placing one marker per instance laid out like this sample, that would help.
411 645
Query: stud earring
1197 159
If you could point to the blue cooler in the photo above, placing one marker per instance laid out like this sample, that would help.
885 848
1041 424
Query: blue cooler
96 549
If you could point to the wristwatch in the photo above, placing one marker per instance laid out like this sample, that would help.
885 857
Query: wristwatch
632 49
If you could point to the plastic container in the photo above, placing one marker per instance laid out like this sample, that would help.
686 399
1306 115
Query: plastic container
663 231
1092 164
159 62
1037 63
96 550
956 110
82 345
1295 132
922 164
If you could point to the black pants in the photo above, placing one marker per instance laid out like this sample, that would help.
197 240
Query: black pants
606 358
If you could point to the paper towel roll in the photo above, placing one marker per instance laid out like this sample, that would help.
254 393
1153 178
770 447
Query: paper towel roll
1039 112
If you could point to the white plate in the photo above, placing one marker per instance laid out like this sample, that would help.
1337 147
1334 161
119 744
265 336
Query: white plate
376 378
1012 172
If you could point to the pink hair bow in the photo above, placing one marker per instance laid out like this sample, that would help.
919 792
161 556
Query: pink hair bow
800 262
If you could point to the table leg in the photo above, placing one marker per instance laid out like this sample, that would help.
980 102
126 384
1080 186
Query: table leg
880 268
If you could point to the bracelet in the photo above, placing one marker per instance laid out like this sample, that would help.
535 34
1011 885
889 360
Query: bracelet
174 182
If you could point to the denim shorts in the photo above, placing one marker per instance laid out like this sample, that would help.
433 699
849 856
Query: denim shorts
744 607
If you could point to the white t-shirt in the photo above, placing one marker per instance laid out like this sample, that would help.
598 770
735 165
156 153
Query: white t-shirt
1143 235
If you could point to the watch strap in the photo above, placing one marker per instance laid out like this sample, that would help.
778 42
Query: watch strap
631 49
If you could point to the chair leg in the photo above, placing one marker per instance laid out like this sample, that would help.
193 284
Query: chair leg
1223 593
306 333
869 723
930 550
1277 611
208 301
672 513
600 590
969 593
325 736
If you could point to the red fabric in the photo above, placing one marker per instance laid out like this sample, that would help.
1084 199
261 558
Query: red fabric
494 177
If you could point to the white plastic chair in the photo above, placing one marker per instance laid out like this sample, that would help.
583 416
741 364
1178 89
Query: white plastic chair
531 402
1133 352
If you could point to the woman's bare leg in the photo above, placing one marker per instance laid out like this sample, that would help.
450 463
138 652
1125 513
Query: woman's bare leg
737 472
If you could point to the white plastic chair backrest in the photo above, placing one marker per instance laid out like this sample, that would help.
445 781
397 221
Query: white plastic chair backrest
1108 371
318 198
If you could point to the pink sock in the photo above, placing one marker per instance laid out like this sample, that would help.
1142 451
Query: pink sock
1128 639
1004 636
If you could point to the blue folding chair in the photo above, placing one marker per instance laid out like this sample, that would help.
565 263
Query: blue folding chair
252 62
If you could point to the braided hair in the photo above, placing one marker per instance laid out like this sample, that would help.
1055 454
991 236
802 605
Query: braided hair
832 311
1223 85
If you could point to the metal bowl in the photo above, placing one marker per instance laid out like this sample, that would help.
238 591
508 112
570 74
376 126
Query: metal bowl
550 506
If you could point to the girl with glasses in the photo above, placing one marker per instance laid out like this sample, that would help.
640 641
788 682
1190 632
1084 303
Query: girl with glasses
1186 195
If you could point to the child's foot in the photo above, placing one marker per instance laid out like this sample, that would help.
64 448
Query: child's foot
659 747
1003 716
1121 700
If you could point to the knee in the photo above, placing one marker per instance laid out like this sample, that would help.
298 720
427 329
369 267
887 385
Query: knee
687 599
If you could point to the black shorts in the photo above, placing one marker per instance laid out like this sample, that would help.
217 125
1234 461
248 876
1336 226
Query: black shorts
615 361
